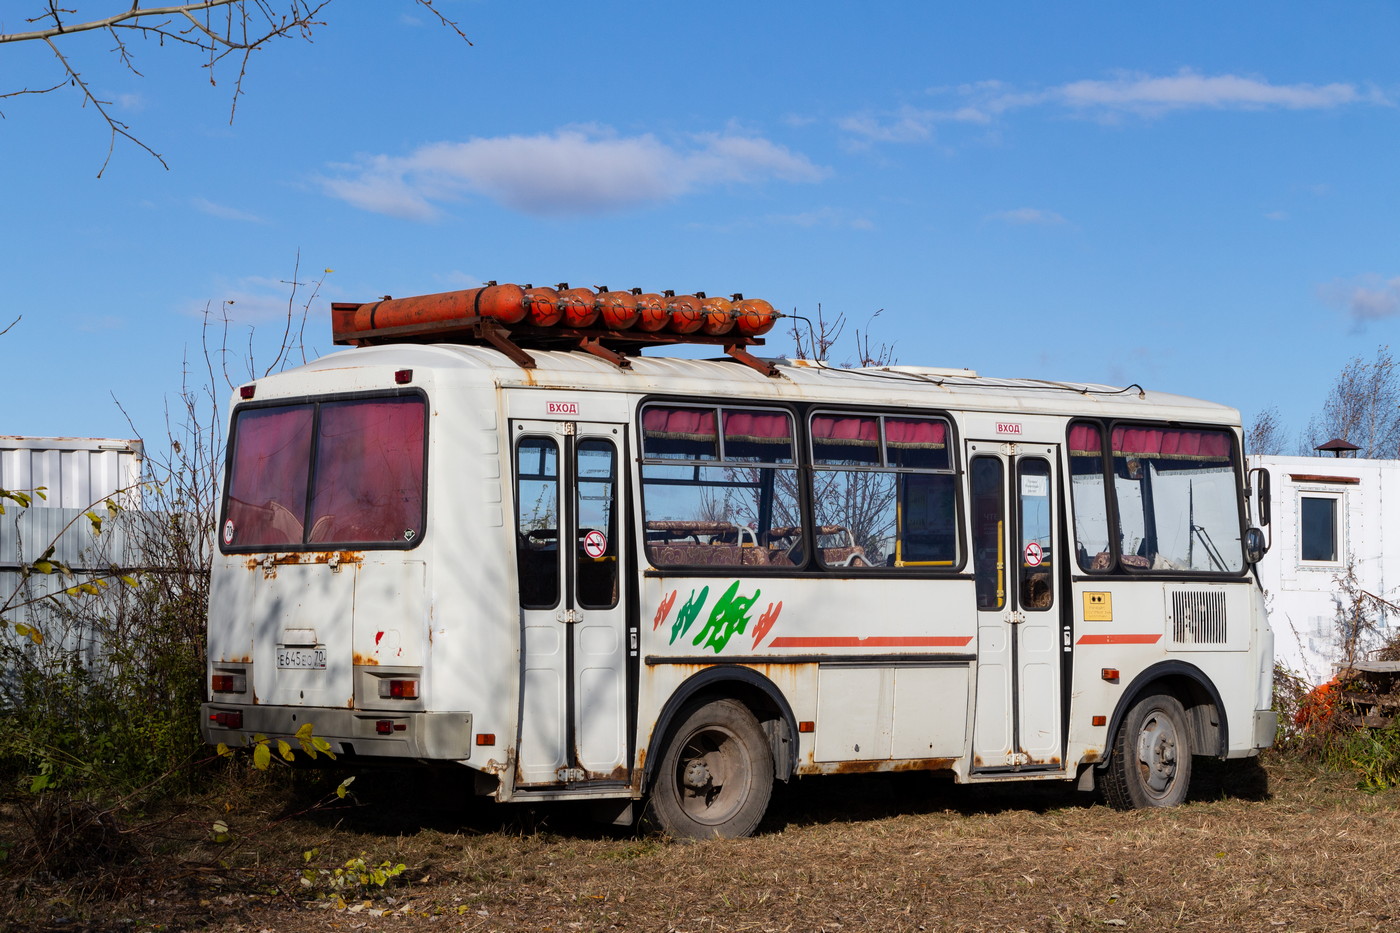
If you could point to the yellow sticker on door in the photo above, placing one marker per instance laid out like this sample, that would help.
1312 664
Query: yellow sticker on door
1098 607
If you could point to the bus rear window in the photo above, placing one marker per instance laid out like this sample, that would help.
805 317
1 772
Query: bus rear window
326 474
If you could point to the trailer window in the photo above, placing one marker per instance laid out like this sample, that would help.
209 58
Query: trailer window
883 492
327 474
719 487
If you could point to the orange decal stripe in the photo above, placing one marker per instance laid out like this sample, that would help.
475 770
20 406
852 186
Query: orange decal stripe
1119 640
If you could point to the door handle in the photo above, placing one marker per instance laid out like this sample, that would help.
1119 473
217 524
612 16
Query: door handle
568 616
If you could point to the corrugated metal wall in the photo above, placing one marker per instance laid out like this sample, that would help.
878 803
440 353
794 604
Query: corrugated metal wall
76 471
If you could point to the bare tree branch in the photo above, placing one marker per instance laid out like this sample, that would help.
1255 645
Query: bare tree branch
216 28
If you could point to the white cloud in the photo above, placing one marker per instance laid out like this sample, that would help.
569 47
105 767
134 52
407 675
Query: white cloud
224 212
574 171
1126 93
1365 298
1276 215
1188 90
1028 216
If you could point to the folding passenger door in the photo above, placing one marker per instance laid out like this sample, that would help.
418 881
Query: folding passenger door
1013 501
568 523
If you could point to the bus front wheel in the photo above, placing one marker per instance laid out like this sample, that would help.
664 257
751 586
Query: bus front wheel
716 774
1151 761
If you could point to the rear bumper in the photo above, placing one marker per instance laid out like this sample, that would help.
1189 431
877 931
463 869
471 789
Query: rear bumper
419 735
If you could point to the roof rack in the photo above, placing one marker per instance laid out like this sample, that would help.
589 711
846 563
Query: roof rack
514 319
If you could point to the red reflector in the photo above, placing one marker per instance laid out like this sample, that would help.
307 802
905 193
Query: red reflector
384 726
403 689
221 683
1100 720
246 391
1110 674
229 720
806 726
403 376
486 738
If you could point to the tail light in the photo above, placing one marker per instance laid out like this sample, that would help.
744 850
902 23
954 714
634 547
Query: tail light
228 683
227 719
398 689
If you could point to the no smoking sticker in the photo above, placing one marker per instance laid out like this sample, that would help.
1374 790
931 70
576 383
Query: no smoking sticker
595 543
1033 555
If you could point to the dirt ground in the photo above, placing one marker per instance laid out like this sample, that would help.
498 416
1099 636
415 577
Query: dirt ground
1290 848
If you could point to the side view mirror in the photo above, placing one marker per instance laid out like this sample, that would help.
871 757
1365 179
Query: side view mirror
1263 495
1255 547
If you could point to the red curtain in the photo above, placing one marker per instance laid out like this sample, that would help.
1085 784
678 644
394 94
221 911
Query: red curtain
692 424
757 426
1085 440
1171 444
846 429
909 433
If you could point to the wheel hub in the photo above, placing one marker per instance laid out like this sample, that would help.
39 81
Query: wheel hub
1157 751
696 777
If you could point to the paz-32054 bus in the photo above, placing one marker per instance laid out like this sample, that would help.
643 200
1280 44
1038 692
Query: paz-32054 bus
585 573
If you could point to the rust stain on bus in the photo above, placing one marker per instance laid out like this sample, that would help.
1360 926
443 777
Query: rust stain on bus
364 660
1091 755
291 558
870 766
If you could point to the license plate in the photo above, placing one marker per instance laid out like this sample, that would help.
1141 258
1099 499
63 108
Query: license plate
302 659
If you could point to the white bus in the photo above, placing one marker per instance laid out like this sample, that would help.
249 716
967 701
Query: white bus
629 579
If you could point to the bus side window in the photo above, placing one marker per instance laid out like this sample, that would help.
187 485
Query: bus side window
595 488
537 521
988 533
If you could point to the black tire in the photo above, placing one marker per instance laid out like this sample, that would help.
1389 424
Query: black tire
715 775
1151 760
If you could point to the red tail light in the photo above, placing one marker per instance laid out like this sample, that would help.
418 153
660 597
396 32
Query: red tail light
228 683
226 719
399 689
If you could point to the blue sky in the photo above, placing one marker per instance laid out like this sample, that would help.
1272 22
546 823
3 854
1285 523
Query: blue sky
1197 197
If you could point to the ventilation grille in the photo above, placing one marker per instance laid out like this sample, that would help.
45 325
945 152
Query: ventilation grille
1198 617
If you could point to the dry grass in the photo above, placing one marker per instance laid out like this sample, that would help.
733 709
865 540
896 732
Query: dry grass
898 852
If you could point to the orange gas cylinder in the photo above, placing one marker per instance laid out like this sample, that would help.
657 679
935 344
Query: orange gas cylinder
579 306
754 316
719 316
504 303
651 312
542 306
685 314
405 312
617 309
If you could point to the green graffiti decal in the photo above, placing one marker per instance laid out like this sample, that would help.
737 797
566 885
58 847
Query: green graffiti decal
688 613
728 618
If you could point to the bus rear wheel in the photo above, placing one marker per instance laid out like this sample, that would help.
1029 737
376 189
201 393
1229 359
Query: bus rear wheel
716 774
1151 762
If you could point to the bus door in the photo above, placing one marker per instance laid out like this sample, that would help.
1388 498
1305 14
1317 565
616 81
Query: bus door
1013 500
573 639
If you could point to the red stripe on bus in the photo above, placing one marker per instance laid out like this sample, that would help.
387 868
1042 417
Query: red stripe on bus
874 641
1120 640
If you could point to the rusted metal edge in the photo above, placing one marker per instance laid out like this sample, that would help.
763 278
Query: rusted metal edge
737 351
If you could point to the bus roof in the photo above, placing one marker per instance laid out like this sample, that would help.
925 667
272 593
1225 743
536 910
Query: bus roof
797 380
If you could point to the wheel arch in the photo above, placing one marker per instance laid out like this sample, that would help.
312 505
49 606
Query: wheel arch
1210 732
731 682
